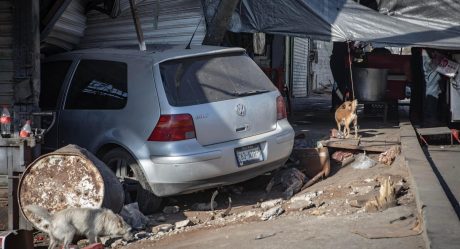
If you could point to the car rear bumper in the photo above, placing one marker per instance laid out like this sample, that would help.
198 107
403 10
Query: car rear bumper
217 166
166 189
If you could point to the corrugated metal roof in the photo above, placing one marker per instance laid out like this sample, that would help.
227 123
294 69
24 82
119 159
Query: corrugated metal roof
6 52
177 19
69 28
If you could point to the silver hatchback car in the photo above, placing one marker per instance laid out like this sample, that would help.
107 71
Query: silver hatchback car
176 120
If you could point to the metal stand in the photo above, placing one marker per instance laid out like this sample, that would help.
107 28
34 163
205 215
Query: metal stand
384 109
15 155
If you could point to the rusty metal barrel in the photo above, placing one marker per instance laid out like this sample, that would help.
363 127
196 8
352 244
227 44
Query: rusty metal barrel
69 177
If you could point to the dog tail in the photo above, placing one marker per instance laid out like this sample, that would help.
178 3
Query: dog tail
39 211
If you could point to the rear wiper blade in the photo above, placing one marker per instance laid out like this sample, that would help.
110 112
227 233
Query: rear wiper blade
248 93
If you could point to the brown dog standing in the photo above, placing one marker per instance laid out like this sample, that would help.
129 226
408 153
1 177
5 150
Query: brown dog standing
345 114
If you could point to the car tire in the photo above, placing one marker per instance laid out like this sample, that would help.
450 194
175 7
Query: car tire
125 166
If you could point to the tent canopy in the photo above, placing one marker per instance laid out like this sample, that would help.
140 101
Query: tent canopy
429 23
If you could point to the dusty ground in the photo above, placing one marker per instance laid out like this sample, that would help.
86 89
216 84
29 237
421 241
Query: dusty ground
331 217
330 214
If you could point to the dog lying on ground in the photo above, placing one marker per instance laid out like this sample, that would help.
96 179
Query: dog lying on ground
345 114
92 223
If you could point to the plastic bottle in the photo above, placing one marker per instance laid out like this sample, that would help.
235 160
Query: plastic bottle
26 130
5 121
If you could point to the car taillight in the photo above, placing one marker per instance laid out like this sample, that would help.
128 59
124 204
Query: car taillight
173 127
280 108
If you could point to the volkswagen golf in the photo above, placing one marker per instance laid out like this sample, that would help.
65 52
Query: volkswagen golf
175 120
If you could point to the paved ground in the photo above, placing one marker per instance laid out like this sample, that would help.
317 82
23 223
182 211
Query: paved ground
446 161
441 224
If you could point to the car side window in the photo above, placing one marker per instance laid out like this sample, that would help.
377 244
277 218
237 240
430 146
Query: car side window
98 84
52 78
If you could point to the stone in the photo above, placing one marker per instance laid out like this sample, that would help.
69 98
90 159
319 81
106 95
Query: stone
247 214
299 205
272 213
362 189
160 218
304 197
162 228
271 203
181 224
171 209
142 235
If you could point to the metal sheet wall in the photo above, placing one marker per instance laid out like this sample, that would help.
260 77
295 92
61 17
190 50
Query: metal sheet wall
172 23
6 52
69 28
300 67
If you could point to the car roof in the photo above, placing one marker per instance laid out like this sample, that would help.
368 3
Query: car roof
158 53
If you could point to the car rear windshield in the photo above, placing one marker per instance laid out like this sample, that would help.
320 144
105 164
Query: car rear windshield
206 79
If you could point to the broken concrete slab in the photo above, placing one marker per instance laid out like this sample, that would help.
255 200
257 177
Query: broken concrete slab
162 228
182 224
271 203
299 205
306 196
272 213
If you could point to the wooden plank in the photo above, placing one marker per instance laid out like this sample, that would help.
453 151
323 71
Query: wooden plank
355 144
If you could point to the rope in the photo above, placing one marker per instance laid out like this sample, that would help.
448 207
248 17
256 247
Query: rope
351 72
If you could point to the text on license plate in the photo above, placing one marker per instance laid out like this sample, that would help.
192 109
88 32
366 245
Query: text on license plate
249 154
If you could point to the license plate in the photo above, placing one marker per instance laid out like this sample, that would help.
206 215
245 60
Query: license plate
248 154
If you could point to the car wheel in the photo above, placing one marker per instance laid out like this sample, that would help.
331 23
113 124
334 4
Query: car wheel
125 167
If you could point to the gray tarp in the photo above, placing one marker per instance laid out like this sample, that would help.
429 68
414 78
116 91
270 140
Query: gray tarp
432 23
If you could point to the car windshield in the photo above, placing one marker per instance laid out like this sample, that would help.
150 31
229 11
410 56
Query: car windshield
206 79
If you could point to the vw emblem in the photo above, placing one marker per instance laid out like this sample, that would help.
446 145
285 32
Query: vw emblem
241 110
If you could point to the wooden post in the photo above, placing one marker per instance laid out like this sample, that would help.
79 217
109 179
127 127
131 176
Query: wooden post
218 25
137 25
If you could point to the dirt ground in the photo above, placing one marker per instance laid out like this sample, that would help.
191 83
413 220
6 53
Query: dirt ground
331 213
332 216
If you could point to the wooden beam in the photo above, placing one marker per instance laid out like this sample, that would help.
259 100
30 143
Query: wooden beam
137 25
218 25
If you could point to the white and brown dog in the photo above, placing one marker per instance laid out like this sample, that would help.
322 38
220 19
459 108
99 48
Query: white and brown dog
345 114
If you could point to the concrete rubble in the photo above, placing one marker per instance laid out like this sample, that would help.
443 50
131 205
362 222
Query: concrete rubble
182 224
272 213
